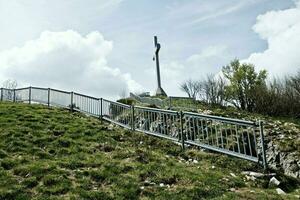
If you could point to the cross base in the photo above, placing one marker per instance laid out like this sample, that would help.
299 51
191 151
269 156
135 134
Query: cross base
161 92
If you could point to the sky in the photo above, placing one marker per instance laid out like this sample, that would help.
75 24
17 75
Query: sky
105 48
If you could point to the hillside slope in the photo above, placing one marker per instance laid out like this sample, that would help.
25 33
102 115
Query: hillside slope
282 134
52 153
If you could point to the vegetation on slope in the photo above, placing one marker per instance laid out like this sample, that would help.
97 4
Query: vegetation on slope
50 153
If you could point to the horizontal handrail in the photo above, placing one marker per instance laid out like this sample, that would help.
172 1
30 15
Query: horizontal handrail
39 88
222 119
24 88
83 95
56 90
156 109
117 103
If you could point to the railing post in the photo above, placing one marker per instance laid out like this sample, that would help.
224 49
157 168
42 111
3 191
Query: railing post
14 99
71 106
181 131
48 100
101 109
29 95
1 98
132 118
262 141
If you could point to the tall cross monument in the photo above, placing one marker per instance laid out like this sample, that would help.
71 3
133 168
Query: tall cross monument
159 90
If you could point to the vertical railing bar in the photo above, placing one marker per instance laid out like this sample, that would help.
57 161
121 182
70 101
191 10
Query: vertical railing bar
48 98
1 94
244 145
202 127
221 132
249 142
237 138
226 135
231 133
29 98
71 107
216 132
181 130
101 109
263 144
194 131
255 145
133 119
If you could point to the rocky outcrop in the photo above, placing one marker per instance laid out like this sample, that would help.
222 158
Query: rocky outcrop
288 162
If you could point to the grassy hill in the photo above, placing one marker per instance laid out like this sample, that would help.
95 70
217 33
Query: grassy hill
54 154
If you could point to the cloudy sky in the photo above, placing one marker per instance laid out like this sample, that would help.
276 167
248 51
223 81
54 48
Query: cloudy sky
104 48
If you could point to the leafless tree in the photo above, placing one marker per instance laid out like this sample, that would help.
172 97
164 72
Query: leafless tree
10 84
213 90
191 88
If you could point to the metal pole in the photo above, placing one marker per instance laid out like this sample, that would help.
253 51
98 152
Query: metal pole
29 98
101 109
261 130
132 119
48 101
181 130
1 94
14 99
71 107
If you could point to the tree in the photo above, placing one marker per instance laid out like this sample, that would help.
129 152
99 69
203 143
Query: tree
213 90
191 88
10 84
244 83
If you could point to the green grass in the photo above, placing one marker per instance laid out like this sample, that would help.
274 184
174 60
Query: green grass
54 154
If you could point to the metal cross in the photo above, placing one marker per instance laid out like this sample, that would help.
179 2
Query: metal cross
159 91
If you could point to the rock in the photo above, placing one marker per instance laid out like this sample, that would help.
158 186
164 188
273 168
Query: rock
274 182
232 189
195 161
280 191
233 175
146 183
142 187
252 178
297 196
254 174
161 184
110 127
213 167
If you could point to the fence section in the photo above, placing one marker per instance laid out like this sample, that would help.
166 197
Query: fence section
21 94
234 137
86 104
225 135
118 113
39 95
162 123
7 94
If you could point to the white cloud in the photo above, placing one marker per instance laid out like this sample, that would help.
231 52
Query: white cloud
66 60
281 30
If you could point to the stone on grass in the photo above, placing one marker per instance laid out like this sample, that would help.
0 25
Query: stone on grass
274 182
280 191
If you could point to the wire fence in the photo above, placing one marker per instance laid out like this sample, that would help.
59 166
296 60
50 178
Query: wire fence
235 137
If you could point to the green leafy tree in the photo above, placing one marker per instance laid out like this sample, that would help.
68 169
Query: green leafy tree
244 84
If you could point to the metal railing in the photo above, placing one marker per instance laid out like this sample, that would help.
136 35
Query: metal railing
239 138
